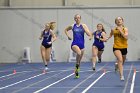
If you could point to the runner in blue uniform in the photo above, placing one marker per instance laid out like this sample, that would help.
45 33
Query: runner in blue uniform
98 45
77 45
48 38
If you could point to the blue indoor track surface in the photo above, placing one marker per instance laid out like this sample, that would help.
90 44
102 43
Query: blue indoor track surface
60 78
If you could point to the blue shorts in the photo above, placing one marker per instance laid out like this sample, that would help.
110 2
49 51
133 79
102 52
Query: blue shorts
81 46
100 47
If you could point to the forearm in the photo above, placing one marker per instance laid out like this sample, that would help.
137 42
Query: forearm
40 37
67 34
124 35
53 39
103 39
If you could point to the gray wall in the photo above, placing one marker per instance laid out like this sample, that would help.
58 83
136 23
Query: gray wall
33 3
21 27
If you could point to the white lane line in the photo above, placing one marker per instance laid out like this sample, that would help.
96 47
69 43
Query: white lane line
32 71
53 83
6 75
127 80
84 91
16 91
21 81
133 82
12 74
77 86
26 80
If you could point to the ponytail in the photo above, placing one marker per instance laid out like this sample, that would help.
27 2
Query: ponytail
52 25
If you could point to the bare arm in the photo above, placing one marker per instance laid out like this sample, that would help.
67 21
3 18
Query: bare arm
53 36
124 34
41 35
87 31
91 36
111 34
104 39
66 32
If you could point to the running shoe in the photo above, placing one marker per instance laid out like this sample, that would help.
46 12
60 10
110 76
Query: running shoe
77 69
46 68
93 68
116 67
99 61
122 78
76 75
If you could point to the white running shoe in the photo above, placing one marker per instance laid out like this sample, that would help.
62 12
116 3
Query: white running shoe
93 68
46 68
122 78
116 67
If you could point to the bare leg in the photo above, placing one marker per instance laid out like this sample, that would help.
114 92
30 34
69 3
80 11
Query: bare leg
43 54
100 55
118 55
124 58
79 53
94 56
48 53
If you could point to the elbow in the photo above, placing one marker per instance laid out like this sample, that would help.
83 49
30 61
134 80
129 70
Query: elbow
66 32
55 38
89 34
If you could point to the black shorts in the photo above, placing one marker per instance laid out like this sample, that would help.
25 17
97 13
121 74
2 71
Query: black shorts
123 51
47 46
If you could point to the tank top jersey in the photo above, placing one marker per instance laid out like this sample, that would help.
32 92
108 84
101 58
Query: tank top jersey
119 41
98 42
46 37
78 36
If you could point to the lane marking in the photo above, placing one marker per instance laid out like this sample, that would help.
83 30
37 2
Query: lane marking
133 82
53 83
24 80
37 83
85 79
6 75
84 91
127 80
33 71
20 81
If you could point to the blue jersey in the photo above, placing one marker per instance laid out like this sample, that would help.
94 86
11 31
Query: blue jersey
78 36
98 43
46 37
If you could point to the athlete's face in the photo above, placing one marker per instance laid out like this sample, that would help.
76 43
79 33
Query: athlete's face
99 27
77 18
119 21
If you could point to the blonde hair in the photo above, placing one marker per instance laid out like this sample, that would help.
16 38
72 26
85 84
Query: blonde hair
51 25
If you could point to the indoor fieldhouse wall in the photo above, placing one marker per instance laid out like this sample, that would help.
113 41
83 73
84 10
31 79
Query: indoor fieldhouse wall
21 27
31 3
98 2
42 3
4 2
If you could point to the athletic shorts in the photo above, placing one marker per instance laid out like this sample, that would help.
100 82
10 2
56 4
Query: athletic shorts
123 51
100 48
81 46
46 45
